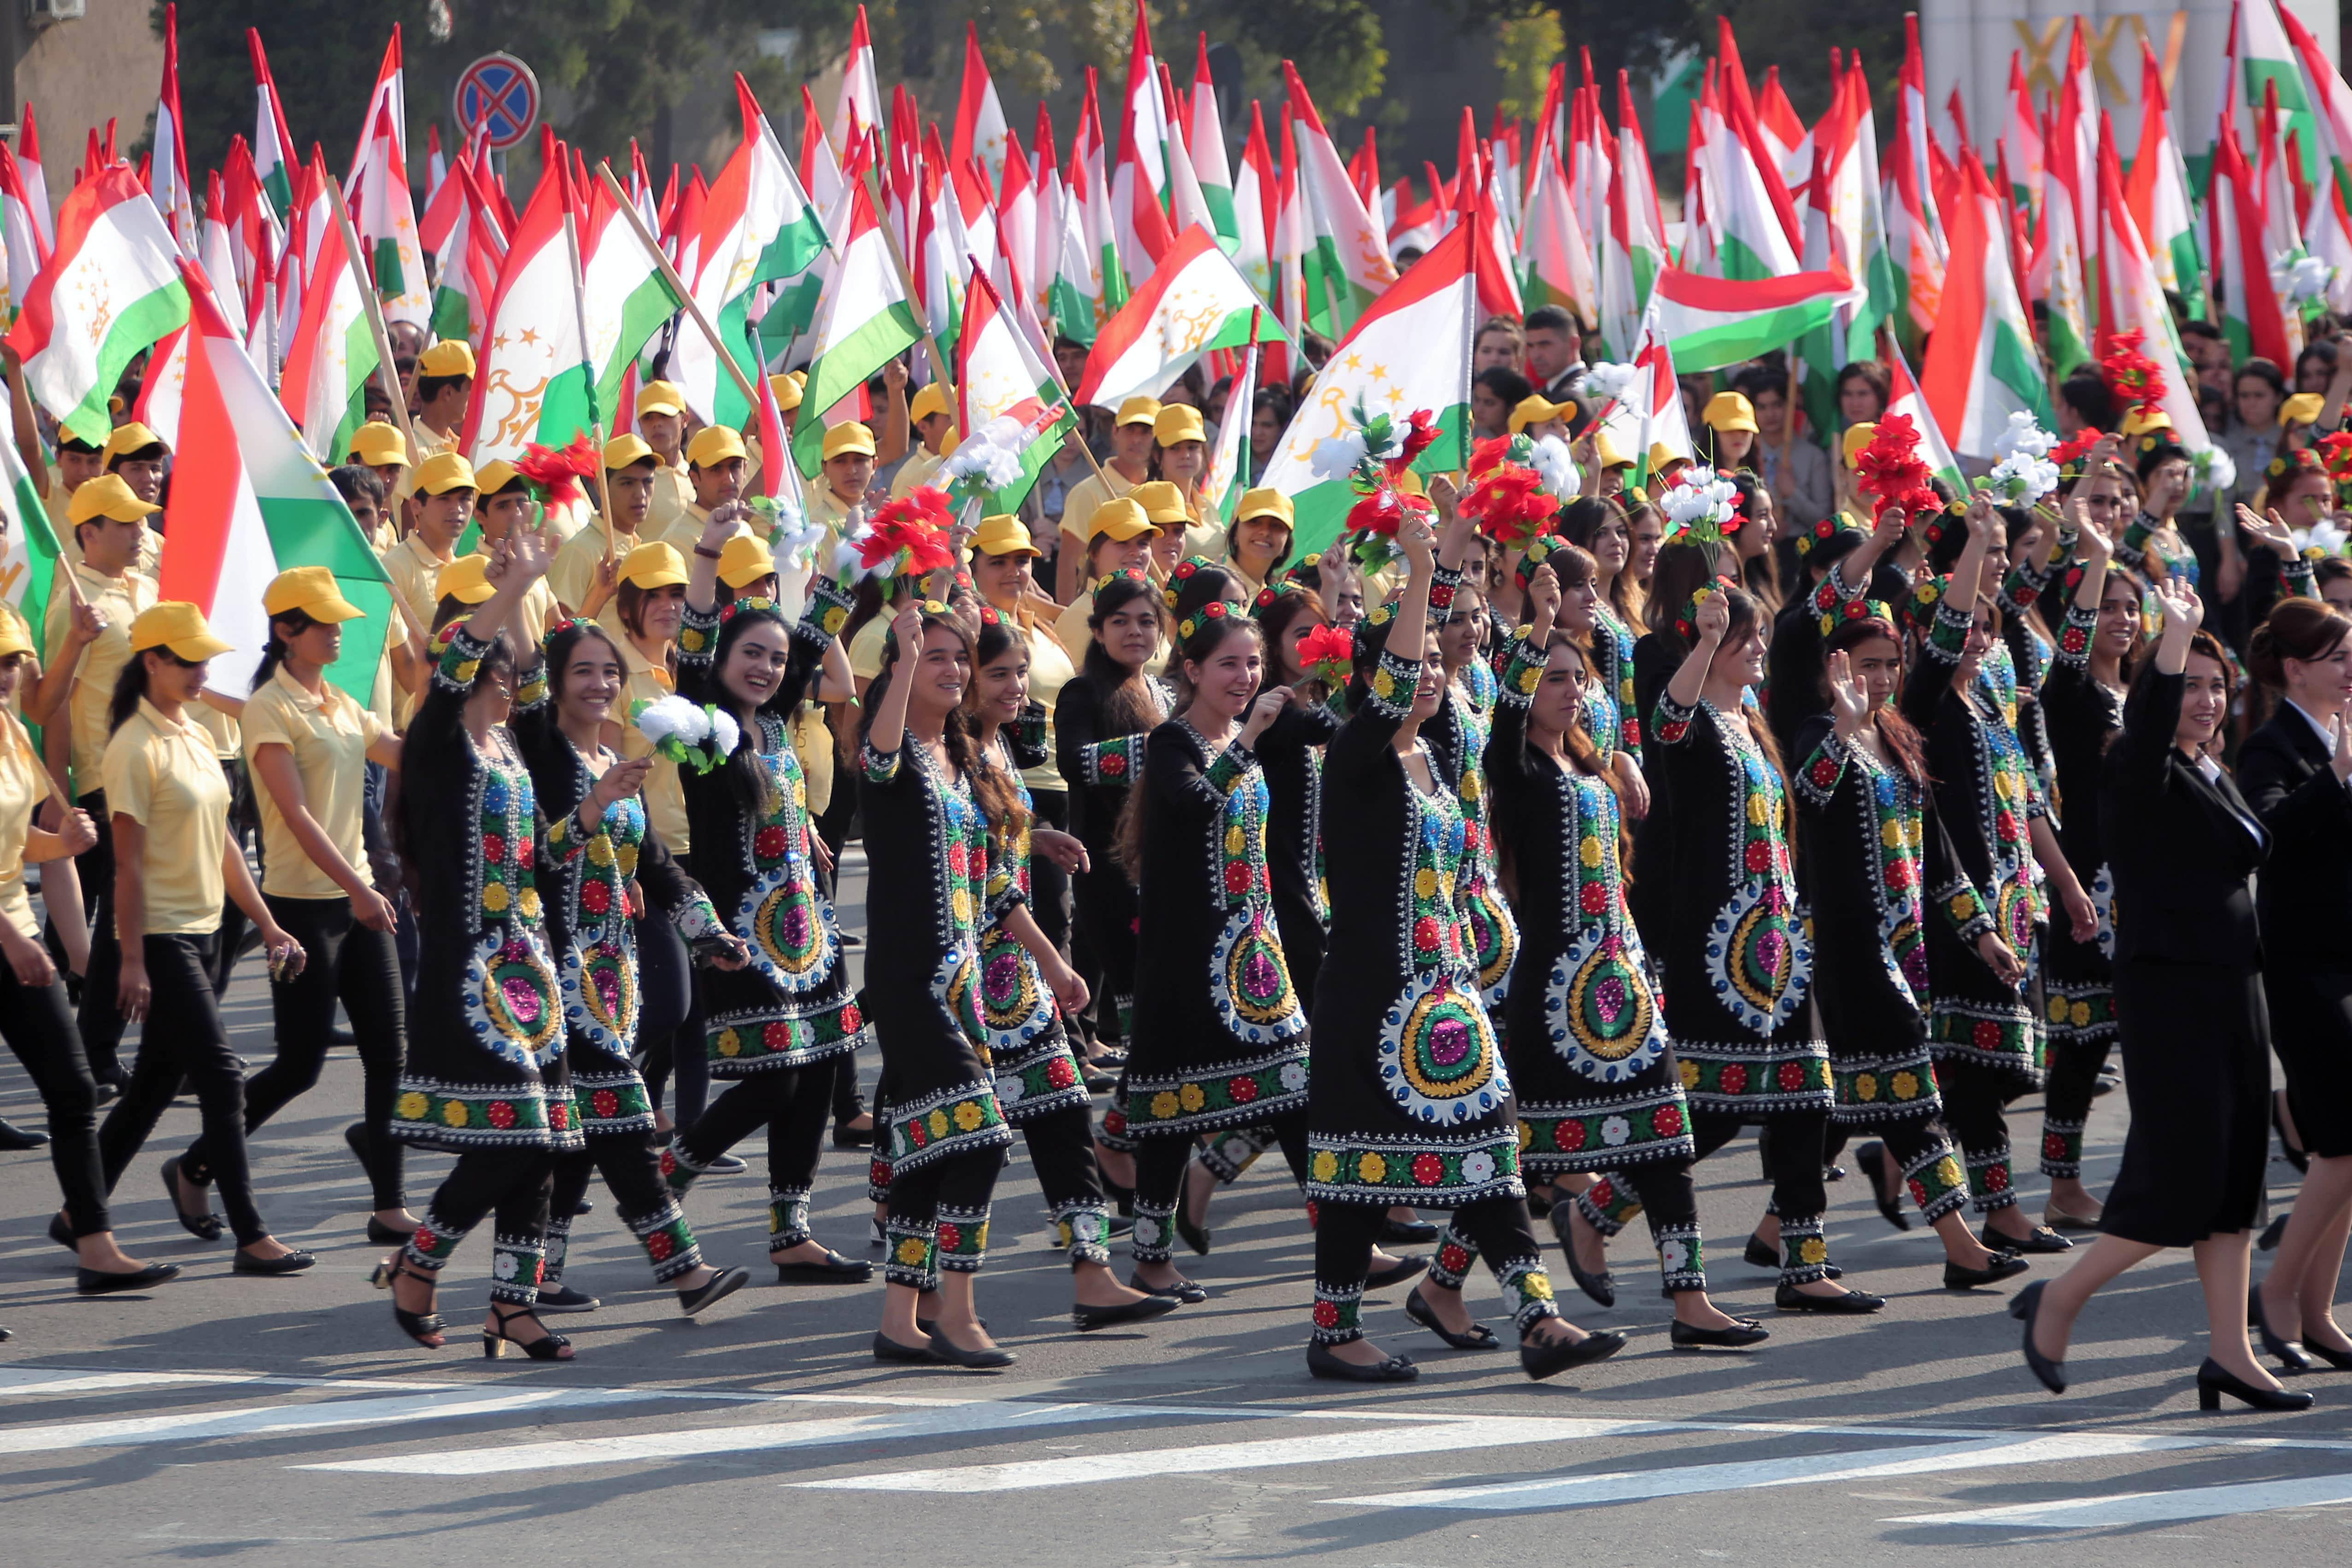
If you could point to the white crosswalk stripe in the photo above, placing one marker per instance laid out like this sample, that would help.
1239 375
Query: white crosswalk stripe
263 1420
2148 1507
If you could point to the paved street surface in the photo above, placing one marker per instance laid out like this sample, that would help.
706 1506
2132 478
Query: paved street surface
268 1421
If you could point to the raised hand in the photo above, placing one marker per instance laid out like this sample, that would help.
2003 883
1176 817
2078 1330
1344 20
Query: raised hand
1543 602
2269 530
2182 608
1264 711
1714 618
1849 699
1416 542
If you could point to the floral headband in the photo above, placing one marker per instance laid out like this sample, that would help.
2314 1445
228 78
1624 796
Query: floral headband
1822 532
1272 594
576 624
1540 550
1919 610
1132 574
1202 619
1186 570
1933 529
739 606
2301 459
1687 623
1851 610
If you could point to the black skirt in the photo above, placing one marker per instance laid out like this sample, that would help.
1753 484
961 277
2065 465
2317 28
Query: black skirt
2196 1042
2311 1029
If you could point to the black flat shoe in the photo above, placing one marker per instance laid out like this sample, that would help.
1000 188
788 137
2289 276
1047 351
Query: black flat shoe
1479 1338
2269 1239
1849 1303
1601 1286
564 1299
1184 1290
1539 1201
888 1350
205 1227
1872 1158
101 1282
378 1231
1322 1362
62 1234
990 1360
1832 1172
853 1137
292 1262
834 1270
1396 1273
2213 1381
14 1138
723 1284
2289 1354
1196 1237
1743 1332
1541 1360
2004 1265
2040 1239
1412 1232
2023 1307
585 1205
1761 1254
725 1165
1090 1318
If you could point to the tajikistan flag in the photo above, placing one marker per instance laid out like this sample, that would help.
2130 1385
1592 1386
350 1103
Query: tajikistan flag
28 549
1195 301
332 355
1710 322
865 323
1981 366
1227 476
248 502
1000 376
110 289
532 382
1409 350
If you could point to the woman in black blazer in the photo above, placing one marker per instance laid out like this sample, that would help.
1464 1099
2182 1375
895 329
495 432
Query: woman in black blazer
2183 846
2293 771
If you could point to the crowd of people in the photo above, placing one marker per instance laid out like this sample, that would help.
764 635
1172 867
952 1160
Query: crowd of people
1502 879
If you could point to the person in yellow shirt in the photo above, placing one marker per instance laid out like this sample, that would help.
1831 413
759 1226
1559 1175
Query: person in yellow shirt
1131 439
382 451
932 414
445 384
1165 505
307 745
1258 544
175 863
446 491
504 505
1121 535
139 457
787 389
579 578
661 420
843 482
1537 417
717 464
87 631
1179 456
35 1016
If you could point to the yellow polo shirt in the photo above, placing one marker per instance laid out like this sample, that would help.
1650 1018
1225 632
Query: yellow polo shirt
122 598
23 786
163 776
673 493
329 735
1086 496
916 472
1052 666
573 571
414 569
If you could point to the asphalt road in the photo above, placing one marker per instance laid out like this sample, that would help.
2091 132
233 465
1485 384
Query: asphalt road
270 1422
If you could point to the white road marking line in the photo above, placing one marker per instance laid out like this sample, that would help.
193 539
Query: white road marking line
266 1420
1628 1486
2146 1507
32 1383
978 1417
1444 1435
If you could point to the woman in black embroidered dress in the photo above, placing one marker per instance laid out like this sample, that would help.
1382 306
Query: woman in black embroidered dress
1408 1098
773 1027
563 738
486 1077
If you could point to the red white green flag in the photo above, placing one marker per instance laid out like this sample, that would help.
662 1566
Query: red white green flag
1197 301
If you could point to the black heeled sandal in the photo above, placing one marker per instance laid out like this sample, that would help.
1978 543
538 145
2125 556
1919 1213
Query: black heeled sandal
1479 1338
549 1346
415 1325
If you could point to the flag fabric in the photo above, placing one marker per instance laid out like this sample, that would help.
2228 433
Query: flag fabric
980 127
999 374
2158 189
1197 301
1409 350
386 222
2254 318
1915 232
858 109
625 298
247 502
531 381
2262 57
1089 176
2331 136
25 250
1344 256
331 357
866 321
113 287
1138 181
28 546
1710 322
386 100
2061 266
1634 249
160 390
2135 302
1254 203
1205 141
1555 259
1981 366
36 180
2021 138
169 182
1904 398
1070 269
1227 475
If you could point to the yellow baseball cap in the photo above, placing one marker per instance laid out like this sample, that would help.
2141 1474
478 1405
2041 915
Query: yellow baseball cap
106 496
15 636
1856 437
377 445
1003 534
1177 422
1607 453
444 472
176 626
654 566
713 445
312 590
743 559
1121 519
2303 408
125 439
1162 502
2139 422
495 476
660 397
938 397
1730 411
847 439
1139 410
1408 483
787 390
627 452
1267 503
466 579
1534 409
450 357
1664 459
